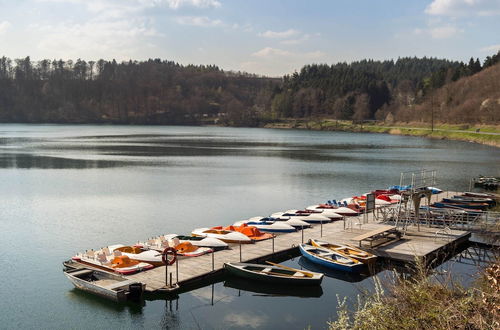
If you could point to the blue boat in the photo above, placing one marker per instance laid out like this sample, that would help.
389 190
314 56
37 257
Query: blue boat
330 259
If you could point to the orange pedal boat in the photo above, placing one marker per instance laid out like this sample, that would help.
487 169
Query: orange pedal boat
252 232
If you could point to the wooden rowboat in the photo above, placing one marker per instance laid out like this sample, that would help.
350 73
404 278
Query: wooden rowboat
273 273
330 259
347 250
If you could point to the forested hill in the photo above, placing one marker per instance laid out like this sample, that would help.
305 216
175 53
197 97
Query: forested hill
164 92
149 92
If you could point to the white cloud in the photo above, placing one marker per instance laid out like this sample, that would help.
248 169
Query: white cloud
246 319
198 21
464 7
271 52
175 4
297 41
120 39
489 49
4 26
279 34
443 32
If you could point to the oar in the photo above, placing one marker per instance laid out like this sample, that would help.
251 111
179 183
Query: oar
290 268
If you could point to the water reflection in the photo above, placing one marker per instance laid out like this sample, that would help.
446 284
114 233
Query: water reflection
270 290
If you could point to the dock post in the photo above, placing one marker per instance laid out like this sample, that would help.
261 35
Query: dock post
273 243
213 261
166 274
321 224
303 234
176 270
170 279
240 251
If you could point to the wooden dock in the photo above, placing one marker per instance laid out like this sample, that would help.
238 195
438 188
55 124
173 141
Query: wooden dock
424 243
417 241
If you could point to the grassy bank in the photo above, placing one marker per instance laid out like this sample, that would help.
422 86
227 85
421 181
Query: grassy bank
425 302
477 134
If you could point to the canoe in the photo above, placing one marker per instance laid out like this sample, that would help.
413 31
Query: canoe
273 273
115 262
104 284
224 235
330 259
252 232
349 251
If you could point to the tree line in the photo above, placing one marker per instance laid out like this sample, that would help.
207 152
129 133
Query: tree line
164 92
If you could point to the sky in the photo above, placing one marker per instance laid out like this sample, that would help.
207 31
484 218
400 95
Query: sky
266 37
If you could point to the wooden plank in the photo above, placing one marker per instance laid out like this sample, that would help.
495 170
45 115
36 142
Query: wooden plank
373 233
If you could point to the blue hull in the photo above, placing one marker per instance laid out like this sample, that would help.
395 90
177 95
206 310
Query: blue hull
332 265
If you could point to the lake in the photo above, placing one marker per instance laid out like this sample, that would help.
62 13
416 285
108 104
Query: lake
68 188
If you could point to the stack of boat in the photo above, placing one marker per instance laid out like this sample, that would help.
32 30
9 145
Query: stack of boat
468 202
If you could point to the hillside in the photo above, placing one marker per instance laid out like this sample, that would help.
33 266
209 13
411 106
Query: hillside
469 100
164 92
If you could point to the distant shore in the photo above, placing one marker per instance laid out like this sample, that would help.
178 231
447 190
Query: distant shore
488 135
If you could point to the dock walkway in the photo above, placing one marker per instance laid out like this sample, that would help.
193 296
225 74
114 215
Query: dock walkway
423 243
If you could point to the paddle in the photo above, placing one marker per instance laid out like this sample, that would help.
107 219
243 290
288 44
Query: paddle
290 268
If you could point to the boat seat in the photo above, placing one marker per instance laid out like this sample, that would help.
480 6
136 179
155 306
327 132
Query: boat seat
101 257
119 284
117 253
106 251
90 254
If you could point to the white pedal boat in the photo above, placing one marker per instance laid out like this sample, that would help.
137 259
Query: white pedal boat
224 235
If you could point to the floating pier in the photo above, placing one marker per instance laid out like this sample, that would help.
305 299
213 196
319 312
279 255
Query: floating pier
417 240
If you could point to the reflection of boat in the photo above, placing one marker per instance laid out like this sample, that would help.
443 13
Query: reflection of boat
224 235
252 232
332 273
273 273
273 289
349 251
107 285
330 258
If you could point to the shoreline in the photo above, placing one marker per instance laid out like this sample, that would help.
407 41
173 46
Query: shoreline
485 138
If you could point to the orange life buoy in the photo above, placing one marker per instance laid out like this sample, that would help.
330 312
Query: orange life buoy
165 253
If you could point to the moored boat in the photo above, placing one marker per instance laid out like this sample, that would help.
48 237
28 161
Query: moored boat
115 262
224 235
349 251
330 259
104 284
268 226
273 273
251 231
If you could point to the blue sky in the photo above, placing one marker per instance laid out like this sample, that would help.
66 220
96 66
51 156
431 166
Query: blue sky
270 37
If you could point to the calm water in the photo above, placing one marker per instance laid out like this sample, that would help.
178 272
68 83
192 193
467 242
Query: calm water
69 188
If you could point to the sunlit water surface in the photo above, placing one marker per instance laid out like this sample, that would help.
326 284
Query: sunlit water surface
68 188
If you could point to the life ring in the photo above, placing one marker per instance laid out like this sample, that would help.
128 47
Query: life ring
165 253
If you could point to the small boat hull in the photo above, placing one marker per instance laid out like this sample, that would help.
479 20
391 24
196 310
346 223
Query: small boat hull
309 252
272 274
105 285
